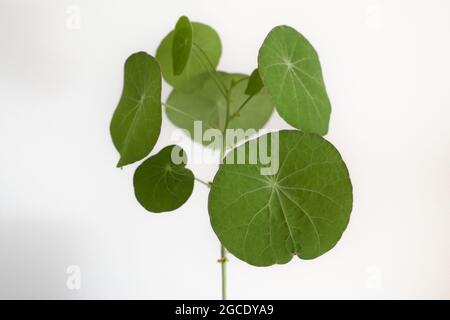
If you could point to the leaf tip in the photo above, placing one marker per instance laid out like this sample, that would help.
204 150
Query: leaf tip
120 164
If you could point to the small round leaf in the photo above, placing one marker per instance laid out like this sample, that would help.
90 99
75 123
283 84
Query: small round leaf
301 210
195 70
162 182
136 122
290 69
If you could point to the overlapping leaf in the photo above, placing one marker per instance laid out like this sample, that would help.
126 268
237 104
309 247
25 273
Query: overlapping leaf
136 122
182 45
301 210
290 69
205 41
209 106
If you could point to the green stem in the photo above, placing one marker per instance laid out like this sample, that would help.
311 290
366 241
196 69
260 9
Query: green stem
168 106
236 113
223 257
223 252
223 261
227 121
234 84
208 184
201 55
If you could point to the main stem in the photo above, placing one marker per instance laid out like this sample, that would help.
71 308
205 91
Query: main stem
226 92
223 258
223 251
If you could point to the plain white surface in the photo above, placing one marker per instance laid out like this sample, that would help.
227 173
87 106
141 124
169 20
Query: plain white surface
62 201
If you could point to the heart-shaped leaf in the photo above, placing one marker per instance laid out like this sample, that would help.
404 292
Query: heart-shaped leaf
182 44
290 69
136 122
301 210
255 83
162 182
208 105
195 70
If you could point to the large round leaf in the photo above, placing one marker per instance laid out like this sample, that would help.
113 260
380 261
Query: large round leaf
162 183
208 105
195 69
290 69
301 210
136 122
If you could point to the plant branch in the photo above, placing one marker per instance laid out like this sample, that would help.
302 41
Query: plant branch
201 55
236 113
208 184
223 260
223 252
239 81
225 126
171 107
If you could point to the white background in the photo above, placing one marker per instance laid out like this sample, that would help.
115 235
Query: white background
62 201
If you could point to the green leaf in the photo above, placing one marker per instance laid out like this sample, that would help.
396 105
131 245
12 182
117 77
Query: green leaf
162 183
136 122
301 210
255 84
290 69
182 44
195 71
209 106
